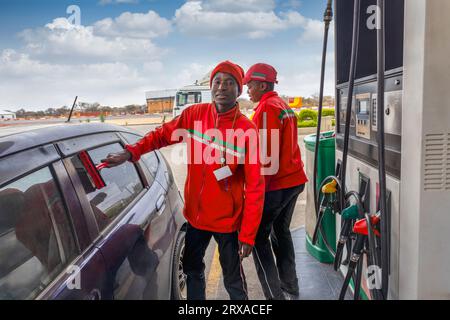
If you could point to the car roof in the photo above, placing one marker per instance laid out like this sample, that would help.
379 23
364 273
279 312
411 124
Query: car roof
19 138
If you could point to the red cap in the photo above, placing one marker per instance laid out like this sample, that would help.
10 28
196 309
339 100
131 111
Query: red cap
261 72
231 68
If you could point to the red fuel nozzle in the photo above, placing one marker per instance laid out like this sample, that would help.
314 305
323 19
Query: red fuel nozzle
361 227
92 170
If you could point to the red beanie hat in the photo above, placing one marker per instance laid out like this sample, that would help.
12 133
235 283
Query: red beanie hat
231 68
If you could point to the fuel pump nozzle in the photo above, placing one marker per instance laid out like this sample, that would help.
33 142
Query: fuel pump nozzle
362 226
349 215
366 230
329 191
358 250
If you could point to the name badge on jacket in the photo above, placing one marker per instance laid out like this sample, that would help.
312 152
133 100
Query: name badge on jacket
223 173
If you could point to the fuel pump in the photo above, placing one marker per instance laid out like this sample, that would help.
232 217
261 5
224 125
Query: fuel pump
399 137
393 146
349 223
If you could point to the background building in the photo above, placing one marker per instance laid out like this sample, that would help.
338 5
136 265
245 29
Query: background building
7 115
160 101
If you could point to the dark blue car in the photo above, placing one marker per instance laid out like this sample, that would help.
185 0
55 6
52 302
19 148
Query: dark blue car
62 238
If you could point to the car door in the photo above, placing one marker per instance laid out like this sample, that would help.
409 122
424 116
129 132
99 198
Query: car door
85 278
40 255
163 229
122 212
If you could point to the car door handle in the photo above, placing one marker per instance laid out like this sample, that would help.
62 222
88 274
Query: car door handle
160 204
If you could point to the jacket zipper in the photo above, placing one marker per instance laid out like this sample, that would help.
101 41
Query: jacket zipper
200 197
203 184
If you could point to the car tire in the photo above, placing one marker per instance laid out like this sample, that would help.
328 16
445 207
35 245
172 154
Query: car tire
179 289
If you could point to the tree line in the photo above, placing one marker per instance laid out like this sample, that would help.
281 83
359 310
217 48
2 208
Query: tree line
95 108
84 108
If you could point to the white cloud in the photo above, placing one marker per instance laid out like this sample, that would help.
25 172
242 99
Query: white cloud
32 84
303 79
115 60
193 19
134 25
305 84
212 19
62 41
294 19
192 72
313 30
114 65
153 67
53 85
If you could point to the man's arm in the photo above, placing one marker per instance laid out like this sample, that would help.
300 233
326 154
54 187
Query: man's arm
157 139
269 127
254 199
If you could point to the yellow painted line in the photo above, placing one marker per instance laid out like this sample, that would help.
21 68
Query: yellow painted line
215 273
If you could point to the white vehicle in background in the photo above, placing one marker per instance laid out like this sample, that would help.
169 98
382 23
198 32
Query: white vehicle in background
189 95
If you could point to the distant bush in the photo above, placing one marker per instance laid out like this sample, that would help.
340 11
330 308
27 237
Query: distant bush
328 112
307 114
308 118
307 124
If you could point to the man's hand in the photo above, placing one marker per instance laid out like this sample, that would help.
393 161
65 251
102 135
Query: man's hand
244 250
116 159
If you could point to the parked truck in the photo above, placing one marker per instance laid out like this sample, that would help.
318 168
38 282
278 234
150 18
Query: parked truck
189 95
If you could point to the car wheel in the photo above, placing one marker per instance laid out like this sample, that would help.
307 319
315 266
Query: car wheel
179 285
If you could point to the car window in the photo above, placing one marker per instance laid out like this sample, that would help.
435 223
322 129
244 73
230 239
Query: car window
36 237
149 159
122 186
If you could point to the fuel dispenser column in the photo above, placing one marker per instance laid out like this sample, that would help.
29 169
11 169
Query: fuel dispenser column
325 168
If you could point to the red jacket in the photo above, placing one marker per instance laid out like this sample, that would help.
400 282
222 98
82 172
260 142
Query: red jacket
273 113
233 204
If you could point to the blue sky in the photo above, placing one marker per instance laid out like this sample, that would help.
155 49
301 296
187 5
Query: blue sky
122 48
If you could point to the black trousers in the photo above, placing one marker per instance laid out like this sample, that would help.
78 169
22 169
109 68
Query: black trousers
277 275
196 243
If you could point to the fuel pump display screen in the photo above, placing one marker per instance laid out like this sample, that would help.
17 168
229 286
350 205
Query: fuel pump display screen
363 116
364 107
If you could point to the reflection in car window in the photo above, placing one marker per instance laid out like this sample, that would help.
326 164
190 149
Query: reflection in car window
122 186
36 238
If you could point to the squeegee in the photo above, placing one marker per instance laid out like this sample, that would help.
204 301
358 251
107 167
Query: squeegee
92 170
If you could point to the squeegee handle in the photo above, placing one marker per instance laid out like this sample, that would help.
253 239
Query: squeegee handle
102 165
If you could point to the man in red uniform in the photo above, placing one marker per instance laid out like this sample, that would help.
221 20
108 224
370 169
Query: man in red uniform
285 180
224 189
